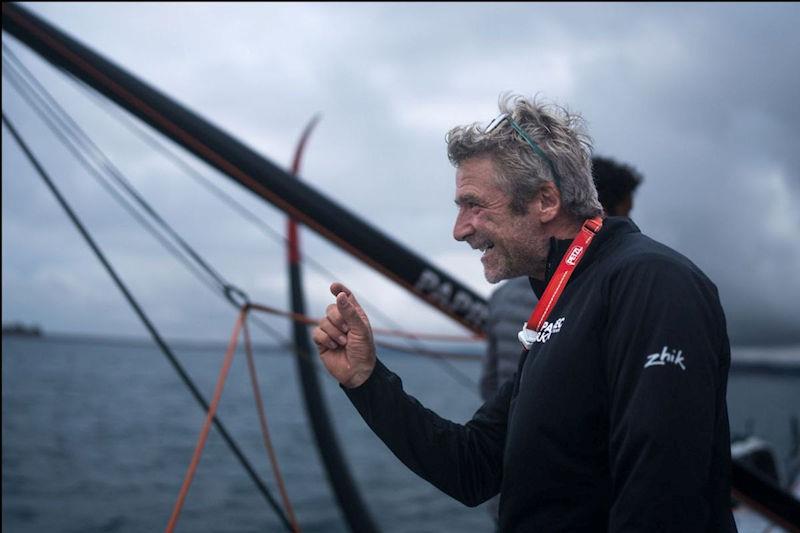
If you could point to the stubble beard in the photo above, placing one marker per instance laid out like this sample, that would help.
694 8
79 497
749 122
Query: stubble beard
528 259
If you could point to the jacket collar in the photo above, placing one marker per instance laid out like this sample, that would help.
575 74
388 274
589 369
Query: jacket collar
612 227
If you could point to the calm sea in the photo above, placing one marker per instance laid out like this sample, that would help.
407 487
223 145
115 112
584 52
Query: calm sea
97 438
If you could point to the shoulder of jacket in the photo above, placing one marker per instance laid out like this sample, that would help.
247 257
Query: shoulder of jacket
650 259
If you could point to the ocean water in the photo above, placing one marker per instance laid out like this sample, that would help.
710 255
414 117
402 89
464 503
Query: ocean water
97 438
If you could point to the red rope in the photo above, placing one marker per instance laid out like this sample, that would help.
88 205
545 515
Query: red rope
303 319
429 353
241 323
262 418
201 441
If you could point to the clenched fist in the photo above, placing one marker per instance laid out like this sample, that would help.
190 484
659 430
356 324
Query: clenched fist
344 339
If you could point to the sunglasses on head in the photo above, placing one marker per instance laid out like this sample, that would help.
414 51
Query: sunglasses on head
494 124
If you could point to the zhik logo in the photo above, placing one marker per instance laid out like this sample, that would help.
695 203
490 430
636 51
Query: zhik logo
666 356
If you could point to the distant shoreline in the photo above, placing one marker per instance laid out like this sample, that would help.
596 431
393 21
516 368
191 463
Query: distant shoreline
21 330
120 340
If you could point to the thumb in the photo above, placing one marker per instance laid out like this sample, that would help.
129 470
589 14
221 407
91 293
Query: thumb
351 312
337 288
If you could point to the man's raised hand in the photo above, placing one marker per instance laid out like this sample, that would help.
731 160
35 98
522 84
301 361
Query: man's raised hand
344 339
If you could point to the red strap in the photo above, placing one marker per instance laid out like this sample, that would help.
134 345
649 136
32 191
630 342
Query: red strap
559 280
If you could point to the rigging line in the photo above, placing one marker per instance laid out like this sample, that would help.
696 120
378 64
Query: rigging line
429 353
11 77
50 113
223 285
413 341
145 320
232 157
239 327
312 321
80 136
225 197
206 428
153 142
262 420
46 111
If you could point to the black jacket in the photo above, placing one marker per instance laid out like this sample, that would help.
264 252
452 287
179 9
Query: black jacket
616 419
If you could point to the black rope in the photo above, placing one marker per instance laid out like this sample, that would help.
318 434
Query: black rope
414 344
146 321
16 82
79 136
68 131
226 288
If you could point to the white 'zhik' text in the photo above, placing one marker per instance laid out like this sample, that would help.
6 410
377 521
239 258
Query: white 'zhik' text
674 357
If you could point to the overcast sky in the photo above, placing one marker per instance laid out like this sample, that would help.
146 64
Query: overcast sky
700 98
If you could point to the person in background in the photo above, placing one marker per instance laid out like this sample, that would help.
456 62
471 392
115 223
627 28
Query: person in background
616 183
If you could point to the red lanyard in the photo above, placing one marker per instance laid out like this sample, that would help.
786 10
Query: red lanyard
552 293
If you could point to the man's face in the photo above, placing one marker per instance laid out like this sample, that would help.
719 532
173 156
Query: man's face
512 244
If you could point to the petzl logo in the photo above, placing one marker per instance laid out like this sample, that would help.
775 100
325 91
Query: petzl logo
666 356
574 254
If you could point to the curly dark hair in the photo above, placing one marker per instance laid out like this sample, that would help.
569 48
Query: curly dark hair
614 181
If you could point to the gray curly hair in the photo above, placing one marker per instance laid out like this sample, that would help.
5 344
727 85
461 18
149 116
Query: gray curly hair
522 172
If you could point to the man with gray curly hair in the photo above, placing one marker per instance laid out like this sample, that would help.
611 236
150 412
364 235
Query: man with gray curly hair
616 418
523 172
523 165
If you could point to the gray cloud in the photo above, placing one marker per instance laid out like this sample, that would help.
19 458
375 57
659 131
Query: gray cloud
700 98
